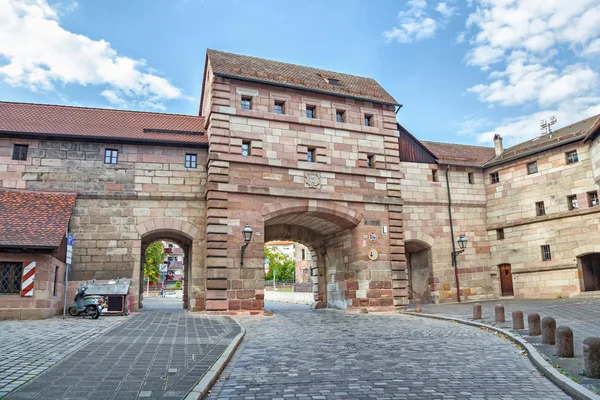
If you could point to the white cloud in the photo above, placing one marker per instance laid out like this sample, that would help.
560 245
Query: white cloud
41 55
416 24
525 127
535 53
446 10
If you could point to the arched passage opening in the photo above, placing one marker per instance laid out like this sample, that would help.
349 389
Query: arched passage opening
589 267
420 271
182 241
325 228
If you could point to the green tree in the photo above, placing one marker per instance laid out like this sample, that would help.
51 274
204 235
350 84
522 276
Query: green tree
285 266
155 255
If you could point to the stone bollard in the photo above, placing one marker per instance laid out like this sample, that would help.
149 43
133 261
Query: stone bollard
564 342
418 305
533 320
517 318
364 311
268 313
548 330
500 313
477 311
591 357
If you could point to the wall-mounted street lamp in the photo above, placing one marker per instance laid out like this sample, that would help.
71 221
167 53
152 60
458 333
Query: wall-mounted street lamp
462 243
247 234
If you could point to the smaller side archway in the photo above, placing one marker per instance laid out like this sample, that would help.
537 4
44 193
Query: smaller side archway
168 229
421 283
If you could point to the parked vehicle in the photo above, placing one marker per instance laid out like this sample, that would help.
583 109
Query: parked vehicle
89 306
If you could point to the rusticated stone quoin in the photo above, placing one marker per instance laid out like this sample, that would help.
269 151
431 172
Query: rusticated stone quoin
517 320
564 342
500 313
548 330
591 357
477 311
533 321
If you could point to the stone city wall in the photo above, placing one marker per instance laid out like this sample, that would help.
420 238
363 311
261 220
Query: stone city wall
148 183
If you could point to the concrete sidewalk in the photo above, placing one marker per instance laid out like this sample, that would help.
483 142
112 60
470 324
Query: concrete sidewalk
151 355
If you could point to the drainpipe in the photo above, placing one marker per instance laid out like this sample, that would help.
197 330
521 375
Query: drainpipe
452 235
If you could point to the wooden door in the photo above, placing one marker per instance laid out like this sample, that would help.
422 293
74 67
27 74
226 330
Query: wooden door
506 282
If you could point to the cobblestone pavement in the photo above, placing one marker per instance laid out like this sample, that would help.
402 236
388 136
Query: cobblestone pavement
581 315
28 348
158 353
326 354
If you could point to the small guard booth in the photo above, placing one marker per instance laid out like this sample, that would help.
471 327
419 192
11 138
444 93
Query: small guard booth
116 295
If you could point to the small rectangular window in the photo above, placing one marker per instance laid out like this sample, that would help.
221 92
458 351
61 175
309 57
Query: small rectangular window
370 161
10 277
278 108
190 160
303 254
471 178
368 120
540 209
500 234
246 103
110 156
593 199
339 116
572 202
311 111
532 168
246 149
572 157
546 254
20 152
494 177
434 175
310 155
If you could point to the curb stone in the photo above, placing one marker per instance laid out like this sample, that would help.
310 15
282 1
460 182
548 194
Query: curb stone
567 385
210 377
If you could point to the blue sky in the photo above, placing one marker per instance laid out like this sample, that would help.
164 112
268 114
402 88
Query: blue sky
464 70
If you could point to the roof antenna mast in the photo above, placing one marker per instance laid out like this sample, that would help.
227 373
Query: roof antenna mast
545 127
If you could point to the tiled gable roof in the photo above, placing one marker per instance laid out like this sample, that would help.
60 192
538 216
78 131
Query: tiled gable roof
570 133
34 219
292 75
460 154
96 123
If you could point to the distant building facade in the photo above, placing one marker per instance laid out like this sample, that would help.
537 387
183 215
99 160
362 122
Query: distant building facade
298 154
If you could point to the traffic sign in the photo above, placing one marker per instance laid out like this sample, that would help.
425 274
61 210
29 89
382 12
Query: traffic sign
69 248
163 268
267 266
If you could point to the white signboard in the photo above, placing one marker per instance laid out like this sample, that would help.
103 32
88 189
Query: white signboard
162 268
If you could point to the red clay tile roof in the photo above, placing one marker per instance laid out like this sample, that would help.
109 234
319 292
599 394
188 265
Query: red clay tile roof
568 134
292 75
460 154
97 123
34 219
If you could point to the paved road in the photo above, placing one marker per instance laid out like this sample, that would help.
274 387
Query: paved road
159 353
326 354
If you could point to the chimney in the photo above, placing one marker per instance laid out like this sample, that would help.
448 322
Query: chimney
498 144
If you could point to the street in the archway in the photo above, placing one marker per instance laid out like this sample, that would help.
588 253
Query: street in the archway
327 354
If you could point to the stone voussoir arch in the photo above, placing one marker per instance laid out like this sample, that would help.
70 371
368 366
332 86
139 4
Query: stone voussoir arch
586 249
168 224
326 209
421 237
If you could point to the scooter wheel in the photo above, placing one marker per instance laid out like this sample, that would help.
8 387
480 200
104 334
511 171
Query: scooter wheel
73 312
93 312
